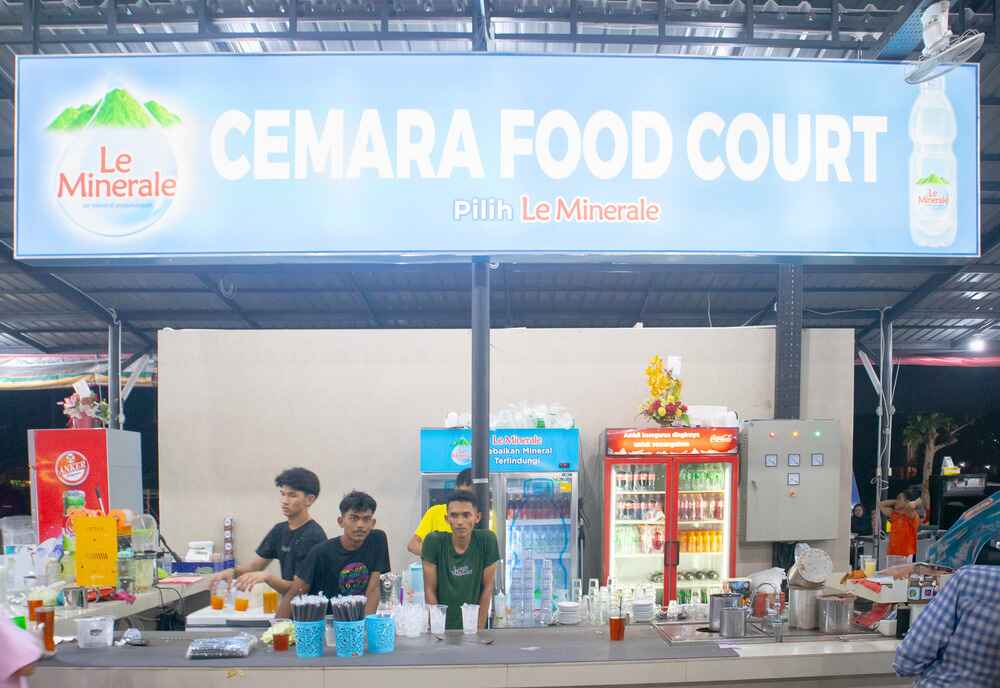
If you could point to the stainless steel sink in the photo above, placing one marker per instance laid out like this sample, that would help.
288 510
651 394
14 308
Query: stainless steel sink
757 632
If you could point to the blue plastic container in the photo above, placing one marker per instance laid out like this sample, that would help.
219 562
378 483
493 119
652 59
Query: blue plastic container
310 638
381 634
350 637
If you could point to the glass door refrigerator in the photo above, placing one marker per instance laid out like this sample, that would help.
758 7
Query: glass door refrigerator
670 505
534 480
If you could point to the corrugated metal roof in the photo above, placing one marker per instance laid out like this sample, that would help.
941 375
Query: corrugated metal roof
69 313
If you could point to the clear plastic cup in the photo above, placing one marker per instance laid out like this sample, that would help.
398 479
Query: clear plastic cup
438 613
470 619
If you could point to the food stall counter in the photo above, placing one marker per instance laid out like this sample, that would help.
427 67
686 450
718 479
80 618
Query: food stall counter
568 656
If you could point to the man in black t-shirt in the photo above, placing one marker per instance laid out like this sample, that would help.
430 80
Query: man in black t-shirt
347 565
289 541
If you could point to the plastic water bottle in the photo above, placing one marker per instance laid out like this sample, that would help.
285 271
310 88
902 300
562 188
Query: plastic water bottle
546 590
933 168
499 610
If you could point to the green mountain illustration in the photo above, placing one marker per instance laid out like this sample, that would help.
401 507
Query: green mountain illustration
72 118
118 110
932 179
161 114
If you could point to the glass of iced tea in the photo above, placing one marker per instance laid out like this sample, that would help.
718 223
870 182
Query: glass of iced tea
616 627
33 606
46 619
280 636
270 601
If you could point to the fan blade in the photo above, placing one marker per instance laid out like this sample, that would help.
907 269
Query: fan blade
959 52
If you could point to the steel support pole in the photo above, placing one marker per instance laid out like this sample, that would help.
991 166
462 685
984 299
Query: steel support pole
115 374
481 385
788 342
886 410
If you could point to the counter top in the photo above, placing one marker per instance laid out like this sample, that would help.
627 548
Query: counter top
162 595
526 658
509 646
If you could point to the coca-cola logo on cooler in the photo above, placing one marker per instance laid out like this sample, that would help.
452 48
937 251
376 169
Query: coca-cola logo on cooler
72 468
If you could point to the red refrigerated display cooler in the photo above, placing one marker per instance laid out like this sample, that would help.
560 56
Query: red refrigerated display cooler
670 505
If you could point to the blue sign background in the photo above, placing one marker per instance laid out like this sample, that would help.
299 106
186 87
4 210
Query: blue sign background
322 217
449 450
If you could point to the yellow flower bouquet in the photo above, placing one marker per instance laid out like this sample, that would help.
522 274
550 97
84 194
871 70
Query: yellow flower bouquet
664 405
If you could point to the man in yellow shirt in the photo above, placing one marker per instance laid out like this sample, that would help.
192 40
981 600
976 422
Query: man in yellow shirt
435 519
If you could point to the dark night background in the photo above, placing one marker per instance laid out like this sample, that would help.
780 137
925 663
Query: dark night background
957 392
24 410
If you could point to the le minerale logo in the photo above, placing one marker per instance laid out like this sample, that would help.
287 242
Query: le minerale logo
118 175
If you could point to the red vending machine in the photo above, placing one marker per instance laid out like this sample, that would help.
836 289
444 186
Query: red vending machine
670 505
93 469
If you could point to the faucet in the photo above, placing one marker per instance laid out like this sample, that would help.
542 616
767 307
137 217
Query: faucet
774 620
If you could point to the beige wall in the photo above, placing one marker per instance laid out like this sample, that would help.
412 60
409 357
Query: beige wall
236 407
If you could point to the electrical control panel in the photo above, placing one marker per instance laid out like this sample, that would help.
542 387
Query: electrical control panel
790 486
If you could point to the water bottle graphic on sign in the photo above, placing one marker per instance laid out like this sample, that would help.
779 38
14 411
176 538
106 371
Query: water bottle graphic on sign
933 168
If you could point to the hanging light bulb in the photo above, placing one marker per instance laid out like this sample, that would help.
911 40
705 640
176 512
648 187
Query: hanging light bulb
428 6
282 7
634 7
250 6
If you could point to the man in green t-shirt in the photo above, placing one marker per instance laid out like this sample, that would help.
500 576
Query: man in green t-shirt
459 567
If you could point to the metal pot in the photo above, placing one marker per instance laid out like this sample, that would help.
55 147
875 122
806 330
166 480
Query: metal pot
802 607
718 602
733 622
833 612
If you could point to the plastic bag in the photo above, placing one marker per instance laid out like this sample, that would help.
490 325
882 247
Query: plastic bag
229 647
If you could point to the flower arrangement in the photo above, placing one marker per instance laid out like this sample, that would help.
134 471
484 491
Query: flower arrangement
84 411
664 405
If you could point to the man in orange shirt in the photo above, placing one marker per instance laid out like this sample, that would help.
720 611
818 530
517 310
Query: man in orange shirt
904 522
